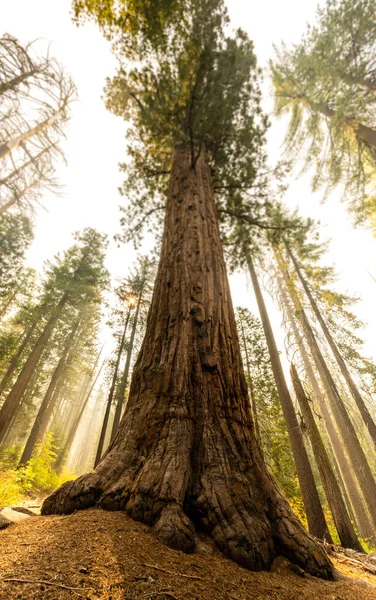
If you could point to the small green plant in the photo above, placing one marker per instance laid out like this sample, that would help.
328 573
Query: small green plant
11 491
36 477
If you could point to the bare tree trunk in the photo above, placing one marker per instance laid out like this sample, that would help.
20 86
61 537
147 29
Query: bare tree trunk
73 430
365 134
45 409
370 424
186 454
355 452
332 490
250 383
315 514
14 397
111 393
14 143
124 378
352 492
16 358
4 309
12 84
88 442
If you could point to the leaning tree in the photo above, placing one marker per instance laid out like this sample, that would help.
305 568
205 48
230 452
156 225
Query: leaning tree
35 98
185 457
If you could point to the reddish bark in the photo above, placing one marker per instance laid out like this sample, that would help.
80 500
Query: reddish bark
185 455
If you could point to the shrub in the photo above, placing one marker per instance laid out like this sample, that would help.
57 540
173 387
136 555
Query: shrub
11 491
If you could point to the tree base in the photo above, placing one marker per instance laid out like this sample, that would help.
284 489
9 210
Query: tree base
251 538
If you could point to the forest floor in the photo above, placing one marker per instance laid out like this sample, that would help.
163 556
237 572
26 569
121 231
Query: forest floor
98 555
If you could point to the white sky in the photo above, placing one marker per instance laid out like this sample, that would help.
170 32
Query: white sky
95 144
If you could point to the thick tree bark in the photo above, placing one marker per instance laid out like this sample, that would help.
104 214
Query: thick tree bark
370 424
185 454
14 397
111 393
332 490
16 358
315 514
46 408
352 492
355 452
125 375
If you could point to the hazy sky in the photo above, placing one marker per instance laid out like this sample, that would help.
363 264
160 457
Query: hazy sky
95 144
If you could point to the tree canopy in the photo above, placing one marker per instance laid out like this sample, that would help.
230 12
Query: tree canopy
326 84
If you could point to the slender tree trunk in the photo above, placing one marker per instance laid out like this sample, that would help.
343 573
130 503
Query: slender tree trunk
89 443
124 378
111 393
14 397
362 132
250 383
370 424
315 514
14 143
16 358
4 309
342 463
14 199
333 493
186 454
15 174
355 452
73 430
45 409
12 84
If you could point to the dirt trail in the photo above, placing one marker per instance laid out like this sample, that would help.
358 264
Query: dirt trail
98 555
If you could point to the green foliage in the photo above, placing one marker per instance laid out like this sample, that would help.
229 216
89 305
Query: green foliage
15 237
200 93
10 490
37 477
327 85
134 21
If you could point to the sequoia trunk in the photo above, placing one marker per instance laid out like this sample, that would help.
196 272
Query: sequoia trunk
185 454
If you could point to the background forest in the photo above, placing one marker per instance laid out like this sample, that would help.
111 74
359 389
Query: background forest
80 236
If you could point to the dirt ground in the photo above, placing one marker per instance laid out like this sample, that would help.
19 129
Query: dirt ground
105 555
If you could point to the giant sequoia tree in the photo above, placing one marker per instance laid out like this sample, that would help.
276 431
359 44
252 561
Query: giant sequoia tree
185 456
